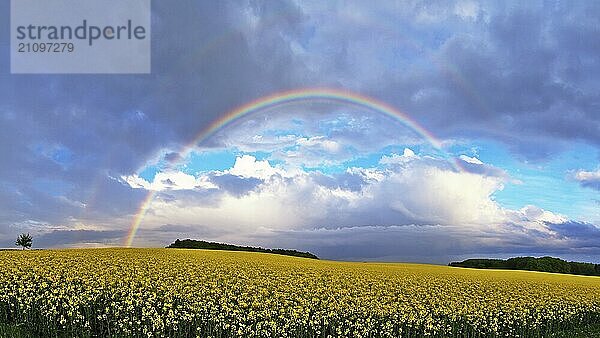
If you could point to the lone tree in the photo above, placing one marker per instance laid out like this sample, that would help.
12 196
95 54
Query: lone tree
24 240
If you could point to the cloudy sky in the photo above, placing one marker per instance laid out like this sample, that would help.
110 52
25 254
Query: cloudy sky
509 89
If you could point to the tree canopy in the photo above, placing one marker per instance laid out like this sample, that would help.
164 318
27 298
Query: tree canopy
194 244
24 240
545 264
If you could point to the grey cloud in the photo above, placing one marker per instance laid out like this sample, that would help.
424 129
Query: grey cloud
352 181
206 197
176 228
522 73
235 185
172 157
67 237
591 184
580 231
512 70
112 125
588 179
168 233
482 169
425 244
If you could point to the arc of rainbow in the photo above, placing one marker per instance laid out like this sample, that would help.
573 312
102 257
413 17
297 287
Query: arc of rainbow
308 94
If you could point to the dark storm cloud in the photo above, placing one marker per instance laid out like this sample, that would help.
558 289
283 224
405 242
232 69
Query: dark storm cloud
80 130
522 73
525 76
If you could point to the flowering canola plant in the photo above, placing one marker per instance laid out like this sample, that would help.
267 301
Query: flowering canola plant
204 293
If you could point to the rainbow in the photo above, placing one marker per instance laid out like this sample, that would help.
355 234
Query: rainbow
281 98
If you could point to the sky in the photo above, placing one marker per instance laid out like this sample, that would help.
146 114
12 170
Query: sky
507 94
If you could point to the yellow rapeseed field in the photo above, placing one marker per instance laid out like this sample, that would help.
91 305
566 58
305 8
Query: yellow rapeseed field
202 293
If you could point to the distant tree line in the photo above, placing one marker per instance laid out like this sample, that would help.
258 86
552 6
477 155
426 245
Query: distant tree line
545 264
194 244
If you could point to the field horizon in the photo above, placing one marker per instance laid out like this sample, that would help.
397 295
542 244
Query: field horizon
377 262
323 259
